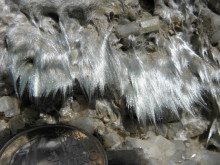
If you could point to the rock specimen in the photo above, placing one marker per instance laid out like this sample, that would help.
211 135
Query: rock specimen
128 29
55 47
153 61
9 106
150 25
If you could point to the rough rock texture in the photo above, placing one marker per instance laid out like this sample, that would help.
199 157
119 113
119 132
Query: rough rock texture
159 63
111 67
125 141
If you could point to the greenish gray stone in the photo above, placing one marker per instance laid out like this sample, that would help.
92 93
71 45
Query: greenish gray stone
190 162
128 29
9 106
111 140
88 124
180 146
150 24
208 158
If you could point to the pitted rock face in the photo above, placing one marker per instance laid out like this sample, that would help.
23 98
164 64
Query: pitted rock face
52 44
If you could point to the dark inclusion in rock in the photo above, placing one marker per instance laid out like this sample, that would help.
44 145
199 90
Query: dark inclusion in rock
53 145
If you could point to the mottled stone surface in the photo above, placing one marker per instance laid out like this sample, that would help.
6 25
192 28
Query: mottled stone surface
3 125
128 29
150 24
16 123
144 147
9 106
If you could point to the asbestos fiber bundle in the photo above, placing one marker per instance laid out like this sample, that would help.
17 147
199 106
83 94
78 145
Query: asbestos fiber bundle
49 46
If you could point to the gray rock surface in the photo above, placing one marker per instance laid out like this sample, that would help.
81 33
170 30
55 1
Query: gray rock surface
112 140
141 76
16 123
150 24
89 124
9 106
3 125
156 147
208 157
128 29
